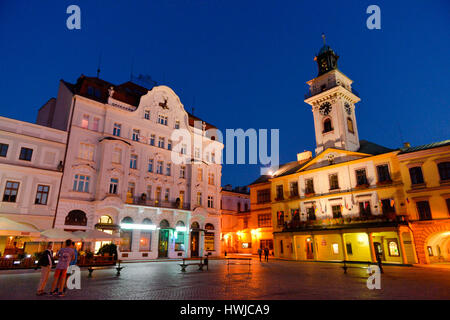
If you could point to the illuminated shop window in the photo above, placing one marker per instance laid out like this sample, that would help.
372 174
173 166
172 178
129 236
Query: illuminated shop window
393 248
335 248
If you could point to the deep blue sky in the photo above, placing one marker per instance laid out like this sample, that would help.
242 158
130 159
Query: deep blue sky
245 62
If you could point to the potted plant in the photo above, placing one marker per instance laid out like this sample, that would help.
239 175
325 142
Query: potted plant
107 250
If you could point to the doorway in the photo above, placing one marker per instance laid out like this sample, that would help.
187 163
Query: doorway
195 243
379 250
309 248
163 248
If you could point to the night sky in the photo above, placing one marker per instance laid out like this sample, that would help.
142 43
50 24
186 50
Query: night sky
243 63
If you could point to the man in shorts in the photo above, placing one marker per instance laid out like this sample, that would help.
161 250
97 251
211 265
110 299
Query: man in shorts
65 256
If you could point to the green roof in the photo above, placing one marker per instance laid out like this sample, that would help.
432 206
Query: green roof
426 146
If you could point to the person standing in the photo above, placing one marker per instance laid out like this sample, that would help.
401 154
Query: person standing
65 256
266 254
46 263
72 263
259 253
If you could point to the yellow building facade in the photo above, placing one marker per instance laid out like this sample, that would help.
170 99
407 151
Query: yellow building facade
426 176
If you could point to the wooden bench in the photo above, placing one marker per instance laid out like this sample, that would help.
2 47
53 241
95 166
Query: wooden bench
91 268
345 266
237 261
200 263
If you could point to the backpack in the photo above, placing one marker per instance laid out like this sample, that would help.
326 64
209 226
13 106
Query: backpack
43 260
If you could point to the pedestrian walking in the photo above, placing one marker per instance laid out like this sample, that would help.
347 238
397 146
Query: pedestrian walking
46 263
259 254
71 264
65 256
266 254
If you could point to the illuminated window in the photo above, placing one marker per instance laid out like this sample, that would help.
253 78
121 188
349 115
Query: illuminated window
393 248
200 174
199 198
146 237
335 248
126 236
350 125
85 121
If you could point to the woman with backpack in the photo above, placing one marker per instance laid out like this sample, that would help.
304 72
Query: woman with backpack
46 263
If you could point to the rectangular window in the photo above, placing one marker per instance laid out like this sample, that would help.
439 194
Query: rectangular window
311 213
158 193
161 142
183 149
264 220
444 171
387 206
86 152
150 165
210 202
333 179
337 211
162 120
177 124
393 248
280 195
383 173
81 183
416 175
96 124
200 174
145 241
168 169
263 196
149 192
3 149
166 195
135 135
131 188
423 208
113 184
280 218
85 121
183 172
116 129
211 178
197 153
11 190
309 186
147 114
213 157
293 188
364 209
268 243
169 145
152 140
361 178
349 248
42 194
281 246
26 154
159 167
133 161
199 198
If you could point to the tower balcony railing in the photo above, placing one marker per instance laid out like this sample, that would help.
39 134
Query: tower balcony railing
310 94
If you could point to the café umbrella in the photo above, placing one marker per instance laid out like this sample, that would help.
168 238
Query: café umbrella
57 235
95 235
12 228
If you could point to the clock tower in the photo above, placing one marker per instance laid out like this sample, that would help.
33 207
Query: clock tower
333 104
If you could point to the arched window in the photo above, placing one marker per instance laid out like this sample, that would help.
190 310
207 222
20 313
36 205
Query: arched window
105 219
164 224
127 236
76 218
195 225
444 171
145 243
327 127
350 125
209 237
393 249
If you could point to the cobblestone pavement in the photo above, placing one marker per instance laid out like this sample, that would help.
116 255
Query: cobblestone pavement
273 280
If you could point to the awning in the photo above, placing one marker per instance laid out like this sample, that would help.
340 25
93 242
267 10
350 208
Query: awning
95 235
57 235
12 228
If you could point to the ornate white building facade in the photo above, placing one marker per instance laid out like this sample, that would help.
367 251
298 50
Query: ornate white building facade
120 175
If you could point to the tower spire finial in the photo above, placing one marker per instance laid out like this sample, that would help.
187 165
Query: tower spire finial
323 37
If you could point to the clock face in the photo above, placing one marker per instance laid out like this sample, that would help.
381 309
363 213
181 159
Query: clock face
325 108
348 109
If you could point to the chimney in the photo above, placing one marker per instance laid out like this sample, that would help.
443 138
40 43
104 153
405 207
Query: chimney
303 156
406 145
